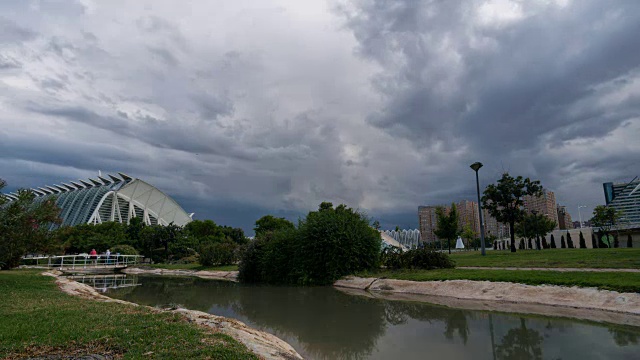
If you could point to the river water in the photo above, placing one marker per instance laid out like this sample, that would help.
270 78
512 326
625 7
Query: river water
324 323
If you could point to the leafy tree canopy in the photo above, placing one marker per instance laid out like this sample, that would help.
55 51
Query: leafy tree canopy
504 200
270 223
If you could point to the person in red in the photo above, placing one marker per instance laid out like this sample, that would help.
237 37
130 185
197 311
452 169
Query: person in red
93 255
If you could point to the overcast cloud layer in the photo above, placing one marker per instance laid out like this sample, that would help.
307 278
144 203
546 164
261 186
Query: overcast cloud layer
243 108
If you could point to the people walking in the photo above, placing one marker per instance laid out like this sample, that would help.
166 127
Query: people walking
93 255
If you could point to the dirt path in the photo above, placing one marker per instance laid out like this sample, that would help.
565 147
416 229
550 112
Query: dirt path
548 269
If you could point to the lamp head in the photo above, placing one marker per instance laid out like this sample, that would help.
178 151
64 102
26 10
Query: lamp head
476 166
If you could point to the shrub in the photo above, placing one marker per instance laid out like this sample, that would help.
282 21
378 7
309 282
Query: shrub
329 244
427 259
569 241
249 269
391 258
124 250
562 243
594 242
334 243
220 253
629 242
553 242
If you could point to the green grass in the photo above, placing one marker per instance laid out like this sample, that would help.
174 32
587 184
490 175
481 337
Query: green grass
553 258
196 267
37 318
624 282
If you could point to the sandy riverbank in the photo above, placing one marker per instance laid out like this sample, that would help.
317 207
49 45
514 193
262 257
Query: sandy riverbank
582 303
264 345
213 275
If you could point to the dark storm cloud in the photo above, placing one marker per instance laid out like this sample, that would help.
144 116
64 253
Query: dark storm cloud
502 89
240 109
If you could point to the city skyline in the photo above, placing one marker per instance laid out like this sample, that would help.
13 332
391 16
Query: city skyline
273 107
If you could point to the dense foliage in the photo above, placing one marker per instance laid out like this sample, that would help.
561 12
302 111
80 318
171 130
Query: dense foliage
394 258
327 245
24 226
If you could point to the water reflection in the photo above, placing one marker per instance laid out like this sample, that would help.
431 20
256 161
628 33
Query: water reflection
102 283
322 323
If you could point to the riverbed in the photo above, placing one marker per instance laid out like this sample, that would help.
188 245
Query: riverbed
324 323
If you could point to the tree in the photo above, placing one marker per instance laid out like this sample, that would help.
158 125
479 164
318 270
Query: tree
447 224
594 242
616 243
629 242
504 200
376 225
569 241
269 223
604 218
583 244
534 226
530 244
562 243
468 234
24 225
553 242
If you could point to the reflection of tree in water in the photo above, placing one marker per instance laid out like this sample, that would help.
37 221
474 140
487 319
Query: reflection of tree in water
327 323
520 343
398 312
623 336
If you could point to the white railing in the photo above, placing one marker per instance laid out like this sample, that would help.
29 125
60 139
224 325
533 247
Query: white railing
84 261
104 282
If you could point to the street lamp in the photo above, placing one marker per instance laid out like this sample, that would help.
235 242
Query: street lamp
476 166
579 214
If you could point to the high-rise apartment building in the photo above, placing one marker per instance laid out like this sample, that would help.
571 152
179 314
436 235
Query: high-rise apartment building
467 216
544 204
624 197
564 218
428 221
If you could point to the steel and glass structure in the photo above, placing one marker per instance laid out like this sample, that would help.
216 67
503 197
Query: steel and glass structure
111 198
624 197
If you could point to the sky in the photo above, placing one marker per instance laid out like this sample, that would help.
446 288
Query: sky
239 109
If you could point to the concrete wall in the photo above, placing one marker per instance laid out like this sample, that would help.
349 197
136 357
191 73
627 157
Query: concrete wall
575 237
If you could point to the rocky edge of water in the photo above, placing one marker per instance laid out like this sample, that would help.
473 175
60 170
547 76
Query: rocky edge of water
584 303
215 275
264 345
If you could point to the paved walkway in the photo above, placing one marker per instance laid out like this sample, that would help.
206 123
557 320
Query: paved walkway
548 269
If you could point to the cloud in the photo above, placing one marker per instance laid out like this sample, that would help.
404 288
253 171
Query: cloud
240 108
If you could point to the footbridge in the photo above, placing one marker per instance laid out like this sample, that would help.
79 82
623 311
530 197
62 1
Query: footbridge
82 262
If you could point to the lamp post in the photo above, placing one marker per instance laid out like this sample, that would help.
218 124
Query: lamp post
580 214
476 166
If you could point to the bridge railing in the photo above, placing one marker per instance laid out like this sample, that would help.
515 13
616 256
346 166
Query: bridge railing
85 261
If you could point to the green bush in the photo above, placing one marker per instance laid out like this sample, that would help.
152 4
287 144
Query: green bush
427 259
394 258
329 244
124 250
219 253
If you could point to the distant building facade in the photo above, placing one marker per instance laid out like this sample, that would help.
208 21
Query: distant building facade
624 197
467 216
544 204
428 221
564 219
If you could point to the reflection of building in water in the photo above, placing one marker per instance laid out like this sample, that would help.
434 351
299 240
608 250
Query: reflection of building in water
104 282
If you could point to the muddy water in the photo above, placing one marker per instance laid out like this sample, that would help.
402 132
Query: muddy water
324 323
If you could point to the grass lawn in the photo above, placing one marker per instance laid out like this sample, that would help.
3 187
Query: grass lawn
196 267
36 318
623 282
553 258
